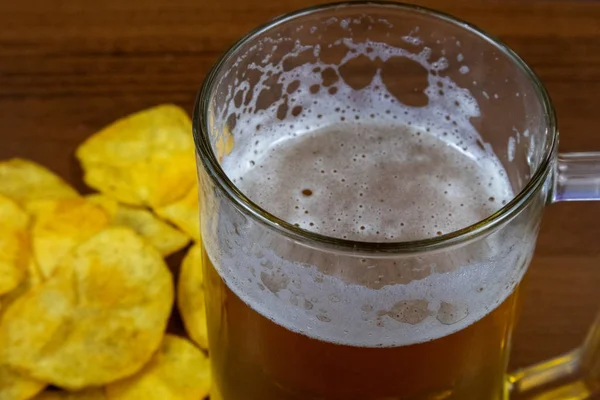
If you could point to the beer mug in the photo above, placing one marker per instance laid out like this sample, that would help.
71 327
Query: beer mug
373 177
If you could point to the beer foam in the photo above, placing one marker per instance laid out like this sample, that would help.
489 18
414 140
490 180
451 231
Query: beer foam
362 164
372 182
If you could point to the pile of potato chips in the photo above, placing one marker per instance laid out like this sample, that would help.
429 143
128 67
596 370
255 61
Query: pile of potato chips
85 293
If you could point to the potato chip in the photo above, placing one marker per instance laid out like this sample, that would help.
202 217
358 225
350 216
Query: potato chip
60 225
162 235
144 159
15 262
190 296
11 215
214 393
108 204
184 213
24 180
32 278
14 386
14 244
178 371
99 318
87 394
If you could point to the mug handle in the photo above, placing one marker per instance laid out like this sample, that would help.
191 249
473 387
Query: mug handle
575 375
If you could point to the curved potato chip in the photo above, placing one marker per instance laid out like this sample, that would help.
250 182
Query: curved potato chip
23 180
178 371
60 225
144 159
14 386
184 213
99 318
33 277
162 235
88 394
214 393
14 244
108 204
11 215
190 296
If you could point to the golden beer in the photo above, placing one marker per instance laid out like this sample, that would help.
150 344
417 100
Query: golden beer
253 358
373 177
363 232
382 328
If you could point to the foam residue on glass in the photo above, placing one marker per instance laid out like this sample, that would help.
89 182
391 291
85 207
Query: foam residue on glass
361 164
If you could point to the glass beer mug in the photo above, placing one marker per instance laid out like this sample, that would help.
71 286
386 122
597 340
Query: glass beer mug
373 177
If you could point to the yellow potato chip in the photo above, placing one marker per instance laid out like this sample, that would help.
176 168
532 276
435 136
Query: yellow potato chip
214 393
109 205
162 235
190 296
11 215
14 244
184 213
178 371
60 225
99 318
24 180
14 386
144 159
32 278
87 394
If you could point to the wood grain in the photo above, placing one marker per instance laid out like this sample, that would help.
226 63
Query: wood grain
69 67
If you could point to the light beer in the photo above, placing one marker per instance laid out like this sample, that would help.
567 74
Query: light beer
391 184
253 358
292 316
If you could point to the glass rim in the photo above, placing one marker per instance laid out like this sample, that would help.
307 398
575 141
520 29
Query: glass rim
221 180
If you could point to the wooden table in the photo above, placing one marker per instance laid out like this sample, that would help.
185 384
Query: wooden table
69 67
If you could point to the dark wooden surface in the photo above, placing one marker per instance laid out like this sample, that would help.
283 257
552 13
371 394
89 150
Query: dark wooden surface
69 67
